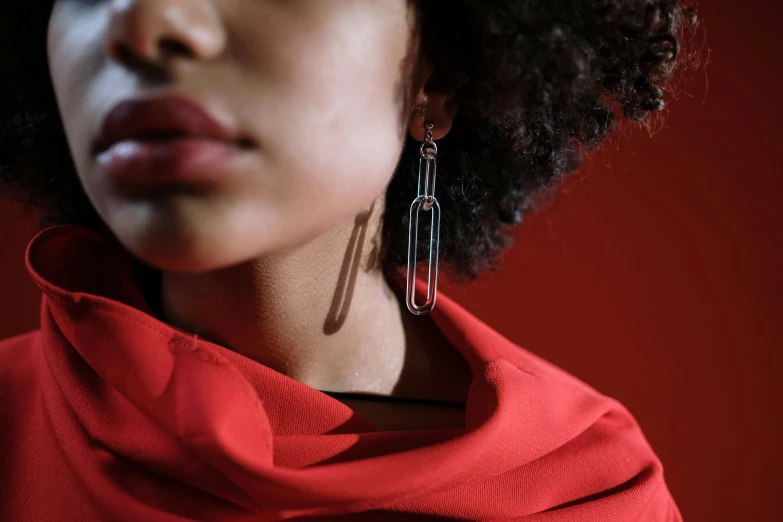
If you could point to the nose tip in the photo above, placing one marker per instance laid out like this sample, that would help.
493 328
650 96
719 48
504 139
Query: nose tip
153 30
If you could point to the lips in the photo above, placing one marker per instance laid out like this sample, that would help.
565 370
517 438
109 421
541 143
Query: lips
169 141
161 119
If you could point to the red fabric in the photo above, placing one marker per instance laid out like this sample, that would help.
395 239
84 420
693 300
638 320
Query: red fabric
108 413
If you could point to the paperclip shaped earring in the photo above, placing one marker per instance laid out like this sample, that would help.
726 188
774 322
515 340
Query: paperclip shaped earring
425 201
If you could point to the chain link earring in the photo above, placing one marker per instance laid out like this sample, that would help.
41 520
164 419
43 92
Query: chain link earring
426 201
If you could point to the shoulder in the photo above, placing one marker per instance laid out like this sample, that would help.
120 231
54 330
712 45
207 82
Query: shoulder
19 395
18 364
600 463
16 349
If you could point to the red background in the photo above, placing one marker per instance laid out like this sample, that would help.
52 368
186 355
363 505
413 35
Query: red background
655 276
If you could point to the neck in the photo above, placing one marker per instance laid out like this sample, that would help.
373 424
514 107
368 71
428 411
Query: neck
322 313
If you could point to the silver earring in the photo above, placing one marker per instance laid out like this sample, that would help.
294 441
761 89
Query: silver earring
425 200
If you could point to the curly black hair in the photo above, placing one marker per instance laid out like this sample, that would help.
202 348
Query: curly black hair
538 83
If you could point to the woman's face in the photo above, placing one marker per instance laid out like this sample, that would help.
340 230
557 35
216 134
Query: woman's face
322 89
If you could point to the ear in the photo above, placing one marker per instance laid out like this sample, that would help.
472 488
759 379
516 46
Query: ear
437 107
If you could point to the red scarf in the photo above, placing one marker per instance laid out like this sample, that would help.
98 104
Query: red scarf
108 413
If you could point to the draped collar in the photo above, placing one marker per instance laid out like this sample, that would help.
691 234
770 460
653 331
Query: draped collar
144 398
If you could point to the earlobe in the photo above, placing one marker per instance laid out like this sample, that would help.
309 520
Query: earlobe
439 108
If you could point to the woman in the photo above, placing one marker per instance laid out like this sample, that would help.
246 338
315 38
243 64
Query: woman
237 194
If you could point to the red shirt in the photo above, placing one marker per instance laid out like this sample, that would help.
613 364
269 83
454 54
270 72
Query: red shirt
108 413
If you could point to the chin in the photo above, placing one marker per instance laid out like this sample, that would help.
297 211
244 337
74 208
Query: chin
179 237
189 258
189 250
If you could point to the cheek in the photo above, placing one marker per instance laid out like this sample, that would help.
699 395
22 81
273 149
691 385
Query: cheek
73 44
327 105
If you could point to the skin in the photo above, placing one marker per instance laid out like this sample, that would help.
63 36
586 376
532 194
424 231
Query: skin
327 91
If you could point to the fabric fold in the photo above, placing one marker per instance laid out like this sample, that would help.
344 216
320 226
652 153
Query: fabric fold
155 423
